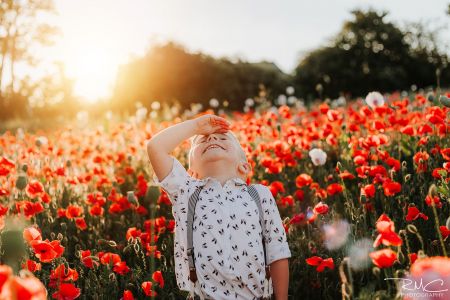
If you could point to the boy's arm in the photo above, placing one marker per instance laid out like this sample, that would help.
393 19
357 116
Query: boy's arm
277 247
279 272
162 143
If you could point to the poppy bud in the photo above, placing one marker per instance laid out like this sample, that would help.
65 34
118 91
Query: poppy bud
444 101
63 226
404 164
21 182
59 236
112 243
286 220
132 198
112 277
376 271
411 228
448 223
339 166
432 191
430 97
68 163
407 177
25 168
421 254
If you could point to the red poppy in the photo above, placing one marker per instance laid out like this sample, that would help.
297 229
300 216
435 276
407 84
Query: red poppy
128 295
73 211
34 189
31 234
5 273
414 213
445 231
32 266
87 260
47 251
383 258
412 257
368 190
121 268
334 188
435 264
67 291
321 208
96 210
60 274
81 223
391 188
346 175
157 276
23 288
147 287
108 257
303 180
387 235
433 200
320 263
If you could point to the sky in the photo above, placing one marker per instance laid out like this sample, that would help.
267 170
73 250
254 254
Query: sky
98 35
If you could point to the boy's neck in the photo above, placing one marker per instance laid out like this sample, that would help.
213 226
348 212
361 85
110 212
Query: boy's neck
216 170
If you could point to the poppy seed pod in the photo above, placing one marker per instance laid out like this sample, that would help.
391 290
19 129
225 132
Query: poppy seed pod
444 101
411 228
21 182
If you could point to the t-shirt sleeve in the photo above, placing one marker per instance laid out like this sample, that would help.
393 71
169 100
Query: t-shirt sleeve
176 182
277 246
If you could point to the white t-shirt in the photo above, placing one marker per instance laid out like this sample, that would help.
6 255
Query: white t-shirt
227 236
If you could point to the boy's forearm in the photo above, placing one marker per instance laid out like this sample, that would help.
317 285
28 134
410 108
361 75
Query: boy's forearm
169 138
279 272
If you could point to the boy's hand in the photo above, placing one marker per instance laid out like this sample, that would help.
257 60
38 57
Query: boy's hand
208 124
192 173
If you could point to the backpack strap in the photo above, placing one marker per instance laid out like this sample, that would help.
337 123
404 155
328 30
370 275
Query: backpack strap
255 195
190 243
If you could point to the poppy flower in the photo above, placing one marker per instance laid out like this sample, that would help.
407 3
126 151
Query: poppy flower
60 274
121 268
414 213
24 287
436 264
31 234
383 258
387 235
321 208
318 156
368 190
334 188
157 276
87 260
429 200
81 223
320 263
47 251
32 266
445 231
108 257
391 188
303 180
128 295
67 291
147 288
34 189
73 211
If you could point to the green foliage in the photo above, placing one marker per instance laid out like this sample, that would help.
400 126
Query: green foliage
371 53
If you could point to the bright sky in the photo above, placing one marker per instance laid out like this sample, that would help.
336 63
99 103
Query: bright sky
100 34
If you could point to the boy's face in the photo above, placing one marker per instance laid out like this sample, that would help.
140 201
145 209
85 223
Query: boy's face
213 147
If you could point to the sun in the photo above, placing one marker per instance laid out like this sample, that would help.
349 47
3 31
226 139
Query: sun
93 69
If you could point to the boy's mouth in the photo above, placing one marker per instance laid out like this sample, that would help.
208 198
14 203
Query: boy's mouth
212 146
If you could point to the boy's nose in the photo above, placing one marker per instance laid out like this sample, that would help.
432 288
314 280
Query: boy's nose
211 136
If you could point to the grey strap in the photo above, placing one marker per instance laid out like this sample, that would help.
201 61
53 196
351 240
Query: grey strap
190 240
190 222
255 195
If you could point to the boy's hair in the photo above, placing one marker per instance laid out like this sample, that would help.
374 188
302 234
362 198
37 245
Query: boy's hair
233 137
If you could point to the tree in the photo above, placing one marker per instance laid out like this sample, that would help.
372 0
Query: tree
19 32
370 53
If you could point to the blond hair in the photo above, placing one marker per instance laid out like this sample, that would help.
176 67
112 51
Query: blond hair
233 137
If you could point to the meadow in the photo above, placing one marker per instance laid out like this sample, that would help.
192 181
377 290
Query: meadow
362 187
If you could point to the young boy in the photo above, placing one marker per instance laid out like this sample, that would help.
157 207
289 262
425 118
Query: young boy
227 236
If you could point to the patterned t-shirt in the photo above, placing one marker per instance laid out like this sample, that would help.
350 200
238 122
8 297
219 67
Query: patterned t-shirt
227 236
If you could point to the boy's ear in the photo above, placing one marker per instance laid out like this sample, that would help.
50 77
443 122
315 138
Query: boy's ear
244 168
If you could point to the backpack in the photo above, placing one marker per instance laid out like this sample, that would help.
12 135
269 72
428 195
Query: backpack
190 220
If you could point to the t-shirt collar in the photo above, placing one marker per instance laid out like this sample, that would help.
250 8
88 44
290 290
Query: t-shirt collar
238 181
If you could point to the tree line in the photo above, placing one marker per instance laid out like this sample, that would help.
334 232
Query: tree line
369 53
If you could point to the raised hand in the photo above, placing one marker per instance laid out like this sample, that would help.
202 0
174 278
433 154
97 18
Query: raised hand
207 124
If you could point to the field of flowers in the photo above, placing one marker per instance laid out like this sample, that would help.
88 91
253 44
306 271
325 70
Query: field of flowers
362 187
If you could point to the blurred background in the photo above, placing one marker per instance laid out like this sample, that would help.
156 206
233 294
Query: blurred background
62 59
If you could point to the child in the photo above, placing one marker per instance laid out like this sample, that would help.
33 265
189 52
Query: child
227 235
